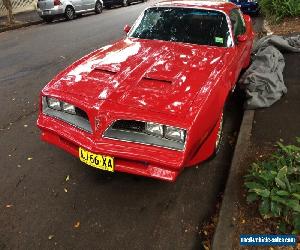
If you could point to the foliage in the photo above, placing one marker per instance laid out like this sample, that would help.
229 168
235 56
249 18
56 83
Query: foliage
275 185
276 10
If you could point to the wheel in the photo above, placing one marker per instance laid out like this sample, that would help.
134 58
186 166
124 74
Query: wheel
98 7
219 135
69 13
125 3
48 19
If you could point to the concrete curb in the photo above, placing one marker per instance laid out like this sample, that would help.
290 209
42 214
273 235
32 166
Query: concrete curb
21 25
223 237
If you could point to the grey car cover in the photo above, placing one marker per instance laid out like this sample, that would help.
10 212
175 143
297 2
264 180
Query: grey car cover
263 80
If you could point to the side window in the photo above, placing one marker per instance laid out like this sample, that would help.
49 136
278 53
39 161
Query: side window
238 23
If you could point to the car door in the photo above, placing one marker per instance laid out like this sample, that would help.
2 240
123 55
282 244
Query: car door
77 4
88 4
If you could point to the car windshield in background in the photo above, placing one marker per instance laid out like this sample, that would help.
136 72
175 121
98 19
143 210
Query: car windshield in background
186 25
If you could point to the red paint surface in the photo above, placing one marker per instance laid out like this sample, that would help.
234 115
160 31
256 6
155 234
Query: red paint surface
177 84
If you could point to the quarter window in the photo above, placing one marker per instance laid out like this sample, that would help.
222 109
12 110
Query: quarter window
238 23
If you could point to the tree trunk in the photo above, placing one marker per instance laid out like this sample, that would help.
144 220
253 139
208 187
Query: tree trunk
8 6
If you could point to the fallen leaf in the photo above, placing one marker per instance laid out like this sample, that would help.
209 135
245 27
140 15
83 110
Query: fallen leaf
19 166
243 221
66 190
206 247
77 224
9 205
68 178
25 125
29 158
205 232
50 237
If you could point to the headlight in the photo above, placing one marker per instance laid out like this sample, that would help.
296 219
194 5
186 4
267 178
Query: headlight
53 103
175 134
154 128
169 132
69 108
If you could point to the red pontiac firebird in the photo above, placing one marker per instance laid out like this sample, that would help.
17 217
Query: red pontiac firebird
152 103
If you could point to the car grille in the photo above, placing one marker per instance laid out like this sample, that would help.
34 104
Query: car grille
79 120
134 131
129 125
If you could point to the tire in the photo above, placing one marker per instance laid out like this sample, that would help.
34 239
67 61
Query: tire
219 138
47 19
69 13
98 7
125 3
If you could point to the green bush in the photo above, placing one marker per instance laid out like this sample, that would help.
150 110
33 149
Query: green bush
278 9
275 185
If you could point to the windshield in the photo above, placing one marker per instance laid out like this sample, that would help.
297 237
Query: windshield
187 25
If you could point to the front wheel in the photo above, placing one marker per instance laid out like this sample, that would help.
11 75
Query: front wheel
98 7
69 13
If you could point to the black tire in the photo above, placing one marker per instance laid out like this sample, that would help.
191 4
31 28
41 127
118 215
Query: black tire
219 140
69 13
47 19
98 7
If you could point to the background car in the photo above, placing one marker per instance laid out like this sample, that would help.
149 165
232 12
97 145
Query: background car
109 3
247 6
50 9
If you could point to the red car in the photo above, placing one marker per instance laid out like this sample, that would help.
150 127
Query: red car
152 103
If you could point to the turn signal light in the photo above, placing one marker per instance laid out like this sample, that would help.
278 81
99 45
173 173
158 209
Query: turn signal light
57 2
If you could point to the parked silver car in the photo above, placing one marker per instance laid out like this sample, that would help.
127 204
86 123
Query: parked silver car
49 9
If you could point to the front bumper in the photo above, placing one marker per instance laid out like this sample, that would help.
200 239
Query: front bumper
133 158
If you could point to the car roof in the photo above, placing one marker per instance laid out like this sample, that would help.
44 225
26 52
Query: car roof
214 5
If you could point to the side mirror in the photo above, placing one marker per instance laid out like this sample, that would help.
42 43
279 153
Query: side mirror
247 18
242 38
127 28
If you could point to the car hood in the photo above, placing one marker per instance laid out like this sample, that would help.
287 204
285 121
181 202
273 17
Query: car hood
153 75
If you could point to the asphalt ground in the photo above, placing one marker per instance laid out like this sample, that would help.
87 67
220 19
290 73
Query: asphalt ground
49 199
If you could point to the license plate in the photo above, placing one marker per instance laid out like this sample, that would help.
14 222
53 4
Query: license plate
97 161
